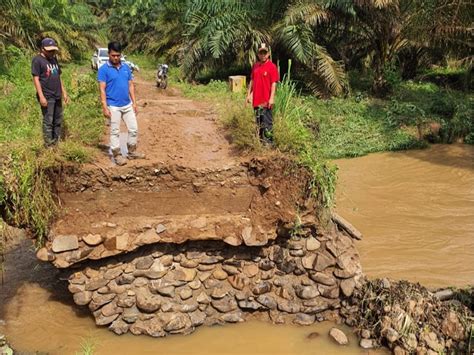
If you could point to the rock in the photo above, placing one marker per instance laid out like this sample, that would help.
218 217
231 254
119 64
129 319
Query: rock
323 261
238 281
139 327
348 272
44 254
322 278
165 260
308 261
165 290
288 306
231 269
110 309
144 263
233 317
125 301
452 327
74 288
225 304
220 291
267 301
386 283
82 298
126 279
250 270
266 265
431 339
262 287
347 287
119 327
186 307
297 253
339 336
304 319
121 241
186 275
98 300
203 298
287 266
185 293
219 274
367 343
365 334
103 320
146 301
315 305
160 228
329 291
233 240
64 243
444 295
253 305
197 318
93 239
113 273
156 271
195 284
312 244
95 284
306 292
190 264
111 225
391 335
211 283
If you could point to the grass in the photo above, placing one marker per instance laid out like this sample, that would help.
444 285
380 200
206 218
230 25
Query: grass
88 346
27 168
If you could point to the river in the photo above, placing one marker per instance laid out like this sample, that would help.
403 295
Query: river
415 209
416 212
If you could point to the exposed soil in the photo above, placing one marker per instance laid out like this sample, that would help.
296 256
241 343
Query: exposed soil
193 186
177 131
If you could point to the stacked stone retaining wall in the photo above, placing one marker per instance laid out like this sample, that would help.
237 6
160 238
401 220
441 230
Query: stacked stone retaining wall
301 277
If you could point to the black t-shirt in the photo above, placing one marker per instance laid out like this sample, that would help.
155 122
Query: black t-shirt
49 72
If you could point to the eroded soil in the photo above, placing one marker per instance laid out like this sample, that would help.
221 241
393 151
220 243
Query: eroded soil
193 185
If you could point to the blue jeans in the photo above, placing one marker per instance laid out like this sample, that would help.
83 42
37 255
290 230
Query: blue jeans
52 121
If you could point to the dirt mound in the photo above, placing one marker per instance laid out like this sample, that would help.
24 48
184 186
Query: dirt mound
104 215
408 318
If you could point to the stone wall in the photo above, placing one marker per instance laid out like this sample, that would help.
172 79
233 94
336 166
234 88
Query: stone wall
301 277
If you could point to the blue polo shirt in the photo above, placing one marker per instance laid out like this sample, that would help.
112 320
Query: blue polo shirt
116 83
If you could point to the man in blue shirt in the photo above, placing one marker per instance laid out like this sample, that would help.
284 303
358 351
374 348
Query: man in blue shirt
117 94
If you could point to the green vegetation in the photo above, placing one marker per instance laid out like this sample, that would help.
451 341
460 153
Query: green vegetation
27 169
394 74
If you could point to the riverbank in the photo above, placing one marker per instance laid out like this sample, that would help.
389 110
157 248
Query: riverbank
302 262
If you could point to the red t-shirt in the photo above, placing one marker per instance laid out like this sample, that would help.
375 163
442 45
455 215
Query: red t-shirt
263 76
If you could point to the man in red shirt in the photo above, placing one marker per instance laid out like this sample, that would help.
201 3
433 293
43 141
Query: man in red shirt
261 92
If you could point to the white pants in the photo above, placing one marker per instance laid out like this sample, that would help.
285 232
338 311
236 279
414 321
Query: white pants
126 114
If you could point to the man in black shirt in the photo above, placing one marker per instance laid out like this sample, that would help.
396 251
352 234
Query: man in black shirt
49 90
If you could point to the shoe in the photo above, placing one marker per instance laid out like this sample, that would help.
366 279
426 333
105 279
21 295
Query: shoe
119 159
133 154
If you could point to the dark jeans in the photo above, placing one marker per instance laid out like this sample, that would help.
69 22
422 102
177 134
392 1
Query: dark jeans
52 121
264 123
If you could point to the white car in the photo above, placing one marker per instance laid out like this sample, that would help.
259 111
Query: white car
101 55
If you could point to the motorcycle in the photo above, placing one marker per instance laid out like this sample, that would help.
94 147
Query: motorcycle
162 76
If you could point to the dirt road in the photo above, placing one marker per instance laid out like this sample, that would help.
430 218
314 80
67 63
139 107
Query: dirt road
176 130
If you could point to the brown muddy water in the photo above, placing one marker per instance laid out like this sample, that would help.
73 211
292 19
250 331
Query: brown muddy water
37 314
416 212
